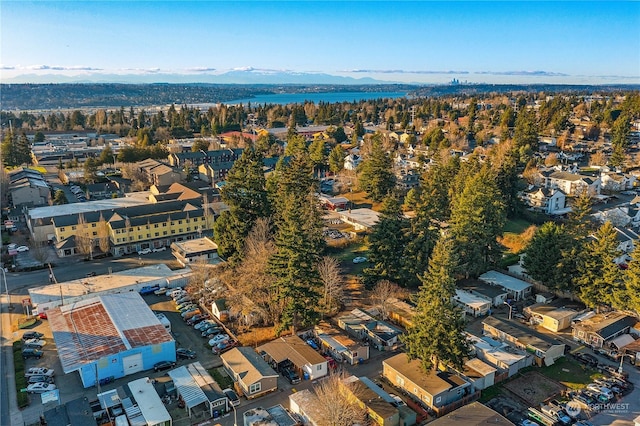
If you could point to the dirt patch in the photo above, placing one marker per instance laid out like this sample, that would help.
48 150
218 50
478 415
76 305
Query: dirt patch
534 388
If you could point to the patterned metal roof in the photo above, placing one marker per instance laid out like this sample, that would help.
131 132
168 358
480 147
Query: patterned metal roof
91 329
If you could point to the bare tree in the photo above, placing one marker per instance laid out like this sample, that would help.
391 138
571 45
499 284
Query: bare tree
384 293
333 280
84 240
138 178
339 407
40 252
104 242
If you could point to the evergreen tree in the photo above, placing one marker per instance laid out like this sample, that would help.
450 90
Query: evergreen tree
421 238
299 245
316 152
546 254
477 218
437 333
9 150
434 197
579 223
630 298
106 156
336 159
90 170
387 240
375 175
525 134
599 278
60 198
245 194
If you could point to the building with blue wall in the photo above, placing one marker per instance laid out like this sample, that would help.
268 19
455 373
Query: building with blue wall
112 335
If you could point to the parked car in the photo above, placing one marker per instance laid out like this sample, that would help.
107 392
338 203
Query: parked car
182 353
291 376
183 306
163 365
147 289
204 325
187 308
91 274
39 379
144 251
224 346
232 397
39 371
398 401
34 343
190 313
212 332
217 339
21 249
197 318
157 249
161 291
359 259
32 335
313 344
586 359
601 390
32 353
183 299
40 387
173 291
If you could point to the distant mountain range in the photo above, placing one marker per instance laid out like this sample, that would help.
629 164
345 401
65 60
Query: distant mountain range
244 76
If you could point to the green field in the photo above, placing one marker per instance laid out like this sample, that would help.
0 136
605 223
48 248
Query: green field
570 373
516 226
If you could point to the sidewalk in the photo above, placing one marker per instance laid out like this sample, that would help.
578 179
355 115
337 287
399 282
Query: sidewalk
7 319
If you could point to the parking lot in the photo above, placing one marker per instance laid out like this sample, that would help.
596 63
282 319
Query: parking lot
70 385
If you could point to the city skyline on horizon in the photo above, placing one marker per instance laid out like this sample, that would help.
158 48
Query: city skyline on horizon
417 42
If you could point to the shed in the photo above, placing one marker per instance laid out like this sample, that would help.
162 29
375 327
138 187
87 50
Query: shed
517 289
149 403
188 389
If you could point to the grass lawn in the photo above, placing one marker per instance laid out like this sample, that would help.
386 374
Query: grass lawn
516 226
489 393
570 373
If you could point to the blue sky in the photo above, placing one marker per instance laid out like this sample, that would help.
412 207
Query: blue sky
415 41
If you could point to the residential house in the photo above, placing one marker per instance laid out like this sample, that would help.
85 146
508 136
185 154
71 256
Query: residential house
619 216
439 390
480 374
352 161
150 408
220 310
307 362
342 348
599 329
195 159
379 411
158 173
553 318
363 326
407 417
551 201
515 288
627 240
253 376
361 219
333 203
473 414
617 181
102 190
545 350
400 312
472 304
507 359
574 184
497 295
306 404
29 192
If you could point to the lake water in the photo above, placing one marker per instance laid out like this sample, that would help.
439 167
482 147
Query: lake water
332 97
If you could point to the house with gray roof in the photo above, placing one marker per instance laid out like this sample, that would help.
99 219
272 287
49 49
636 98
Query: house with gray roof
252 374
599 329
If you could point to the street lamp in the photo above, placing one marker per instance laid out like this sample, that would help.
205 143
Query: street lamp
510 308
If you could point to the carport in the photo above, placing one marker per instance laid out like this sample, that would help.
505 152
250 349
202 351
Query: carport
188 389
